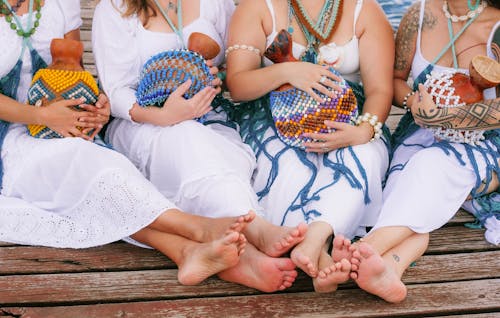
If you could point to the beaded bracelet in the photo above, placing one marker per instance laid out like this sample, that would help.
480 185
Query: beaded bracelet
373 121
405 100
242 47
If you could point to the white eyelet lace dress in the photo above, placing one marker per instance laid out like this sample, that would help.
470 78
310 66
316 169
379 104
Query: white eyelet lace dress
65 192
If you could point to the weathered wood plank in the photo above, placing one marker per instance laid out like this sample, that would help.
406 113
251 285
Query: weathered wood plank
467 297
121 256
113 257
162 284
458 239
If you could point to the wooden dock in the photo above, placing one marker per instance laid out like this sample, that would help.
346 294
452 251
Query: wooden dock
459 276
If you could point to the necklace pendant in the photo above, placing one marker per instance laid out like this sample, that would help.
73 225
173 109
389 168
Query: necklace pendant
171 6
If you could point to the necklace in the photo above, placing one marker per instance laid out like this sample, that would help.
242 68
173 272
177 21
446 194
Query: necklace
18 4
171 6
15 23
471 14
178 10
326 21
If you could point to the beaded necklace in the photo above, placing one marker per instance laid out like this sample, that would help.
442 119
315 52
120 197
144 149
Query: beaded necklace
16 24
178 10
314 32
471 16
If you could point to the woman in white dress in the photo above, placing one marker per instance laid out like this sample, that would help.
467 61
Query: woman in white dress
70 192
336 184
430 176
204 169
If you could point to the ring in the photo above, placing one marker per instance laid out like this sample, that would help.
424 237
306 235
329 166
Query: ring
322 79
325 149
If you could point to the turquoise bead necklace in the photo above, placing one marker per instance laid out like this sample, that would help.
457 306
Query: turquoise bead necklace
178 10
314 32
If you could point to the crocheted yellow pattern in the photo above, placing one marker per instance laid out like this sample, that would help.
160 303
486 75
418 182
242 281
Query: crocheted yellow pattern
49 84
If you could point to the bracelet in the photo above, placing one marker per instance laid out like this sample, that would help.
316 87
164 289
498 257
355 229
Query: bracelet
373 121
242 47
405 101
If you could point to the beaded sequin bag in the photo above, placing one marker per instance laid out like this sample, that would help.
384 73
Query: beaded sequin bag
63 79
455 89
295 112
163 73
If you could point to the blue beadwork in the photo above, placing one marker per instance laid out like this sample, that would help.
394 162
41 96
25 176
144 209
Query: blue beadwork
163 73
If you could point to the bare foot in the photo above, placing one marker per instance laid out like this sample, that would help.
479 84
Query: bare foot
203 260
373 275
259 271
219 226
341 248
274 240
306 255
330 276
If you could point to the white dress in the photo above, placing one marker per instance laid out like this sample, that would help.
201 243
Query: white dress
429 181
205 170
342 188
65 192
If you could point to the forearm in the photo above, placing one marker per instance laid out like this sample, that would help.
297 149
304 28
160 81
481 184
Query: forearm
15 112
401 90
152 115
378 104
252 84
483 115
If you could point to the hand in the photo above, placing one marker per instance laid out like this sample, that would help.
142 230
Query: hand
423 107
344 135
61 117
214 70
307 76
102 110
180 109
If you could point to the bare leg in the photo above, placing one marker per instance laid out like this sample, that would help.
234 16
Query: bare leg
196 261
306 254
341 248
199 228
386 238
331 273
259 271
381 276
274 240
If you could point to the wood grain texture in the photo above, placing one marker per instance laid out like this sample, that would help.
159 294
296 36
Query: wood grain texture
469 297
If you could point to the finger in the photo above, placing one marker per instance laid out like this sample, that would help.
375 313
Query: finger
315 96
318 137
71 102
182 89
94 134
210 63
322 89
214 70
89 125
201 96
217 82
332 76
89 108
75 132
102 100
336 125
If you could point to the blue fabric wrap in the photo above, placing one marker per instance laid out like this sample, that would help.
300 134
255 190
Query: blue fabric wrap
255 119
8 87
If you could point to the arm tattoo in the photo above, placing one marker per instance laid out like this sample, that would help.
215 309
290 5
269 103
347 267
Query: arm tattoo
476 116
407 33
